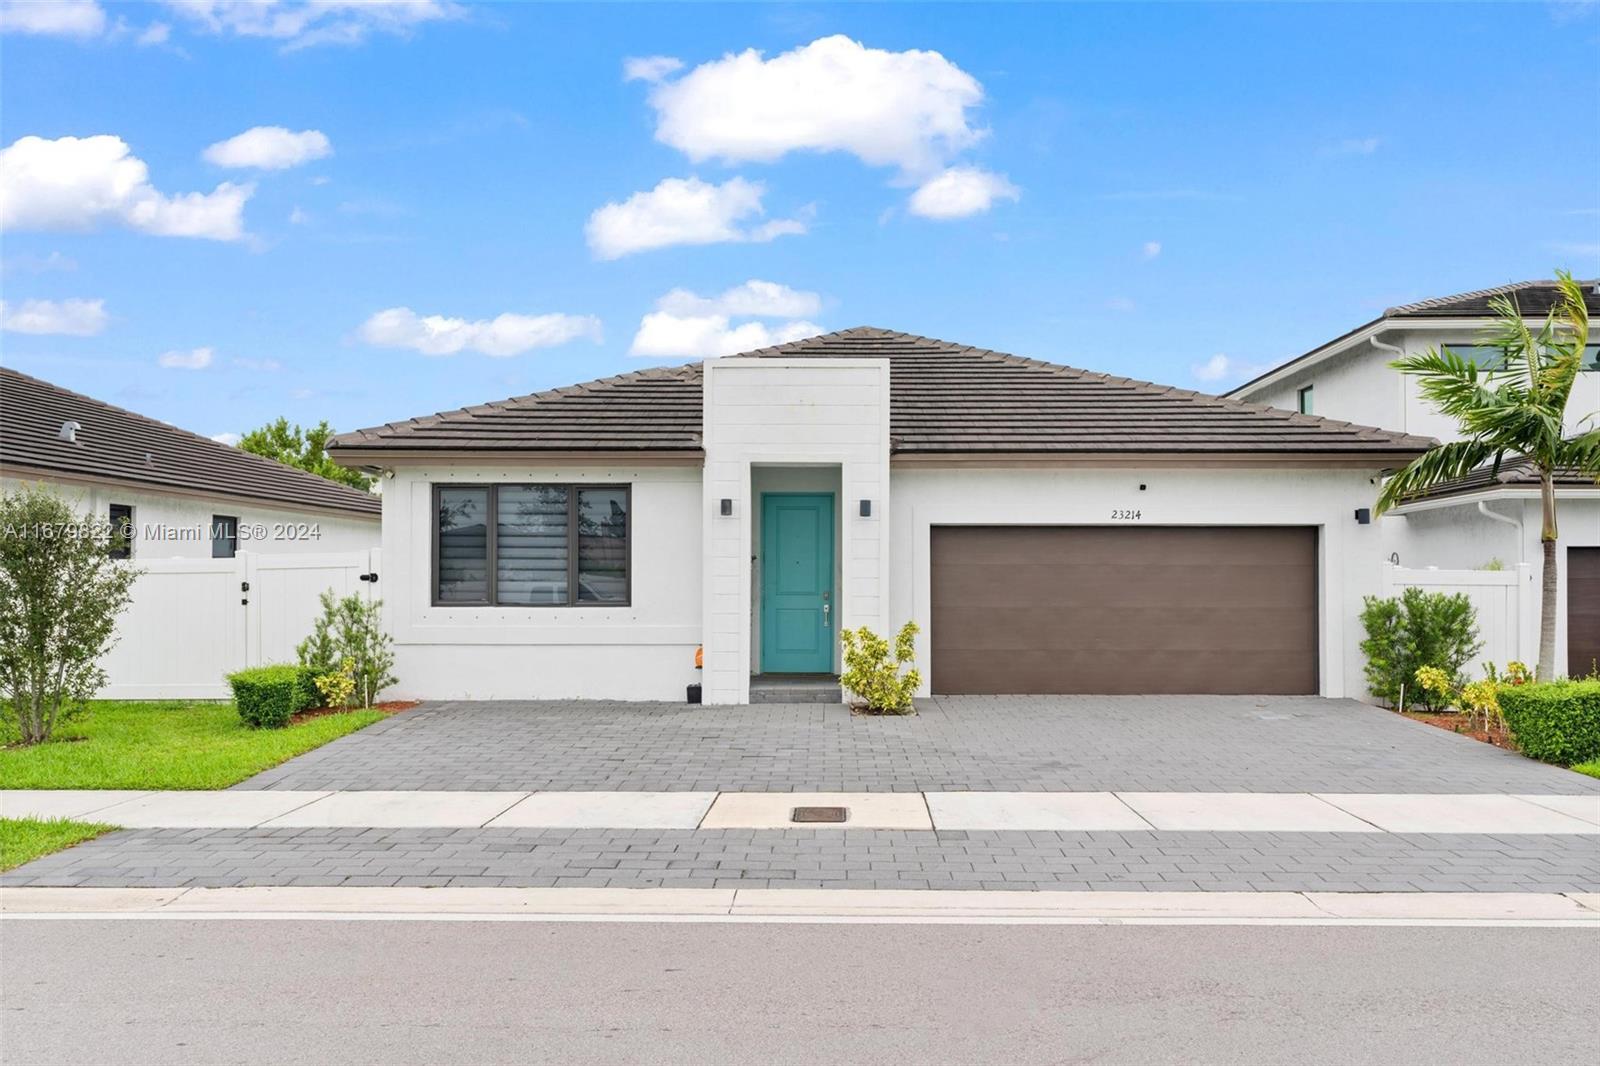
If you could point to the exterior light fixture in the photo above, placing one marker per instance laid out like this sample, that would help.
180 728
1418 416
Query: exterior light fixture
727 507
866 508
1363 516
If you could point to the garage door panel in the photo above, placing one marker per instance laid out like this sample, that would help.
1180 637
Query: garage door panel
1583 611
1124 610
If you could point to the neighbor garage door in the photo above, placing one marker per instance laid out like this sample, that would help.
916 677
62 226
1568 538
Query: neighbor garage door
1096 609
1583 611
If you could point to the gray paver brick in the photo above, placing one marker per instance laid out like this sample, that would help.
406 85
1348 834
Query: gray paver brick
981 743
1331 862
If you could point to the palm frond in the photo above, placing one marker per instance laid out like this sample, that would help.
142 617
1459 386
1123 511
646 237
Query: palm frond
1444 463
1580 454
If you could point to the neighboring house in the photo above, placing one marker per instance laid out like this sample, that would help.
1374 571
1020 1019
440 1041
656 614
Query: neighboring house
182 496
1051 530
1486 519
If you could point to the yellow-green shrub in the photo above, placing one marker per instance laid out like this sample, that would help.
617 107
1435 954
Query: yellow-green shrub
873 677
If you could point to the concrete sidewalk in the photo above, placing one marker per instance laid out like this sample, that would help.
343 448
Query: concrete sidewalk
1490 814
659 904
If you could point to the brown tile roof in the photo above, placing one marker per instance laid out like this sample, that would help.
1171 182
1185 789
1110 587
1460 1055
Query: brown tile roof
117 445
1513 473
944 399
1532 298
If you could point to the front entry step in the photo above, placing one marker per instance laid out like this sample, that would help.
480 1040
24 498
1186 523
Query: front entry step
795 688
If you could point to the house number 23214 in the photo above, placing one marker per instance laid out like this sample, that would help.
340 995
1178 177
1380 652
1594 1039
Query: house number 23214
1126 516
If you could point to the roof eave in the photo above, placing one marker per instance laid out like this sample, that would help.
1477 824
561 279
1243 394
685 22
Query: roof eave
37 473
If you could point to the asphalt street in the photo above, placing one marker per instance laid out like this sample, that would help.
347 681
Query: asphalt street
292 991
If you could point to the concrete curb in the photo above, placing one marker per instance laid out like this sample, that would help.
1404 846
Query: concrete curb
824 905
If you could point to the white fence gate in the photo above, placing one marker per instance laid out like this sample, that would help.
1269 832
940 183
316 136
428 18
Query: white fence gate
193 621
1506 602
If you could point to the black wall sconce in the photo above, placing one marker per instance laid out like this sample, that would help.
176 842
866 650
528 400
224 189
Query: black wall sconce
866 508
1363 516
727 507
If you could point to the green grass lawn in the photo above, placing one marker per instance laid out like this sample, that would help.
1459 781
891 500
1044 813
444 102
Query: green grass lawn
25 839
1590 768
165 744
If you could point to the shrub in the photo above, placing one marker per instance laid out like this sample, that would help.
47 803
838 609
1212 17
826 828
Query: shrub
338 689
60 594
870 674
349 637
268 696
1418 629
1556 721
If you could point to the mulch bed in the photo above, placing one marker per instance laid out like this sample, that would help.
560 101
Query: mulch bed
1457 723
387 707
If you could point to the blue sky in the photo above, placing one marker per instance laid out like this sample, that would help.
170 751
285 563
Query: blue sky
1133 189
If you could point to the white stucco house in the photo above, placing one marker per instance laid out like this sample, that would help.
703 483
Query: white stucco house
1050 530
180 495
1489 518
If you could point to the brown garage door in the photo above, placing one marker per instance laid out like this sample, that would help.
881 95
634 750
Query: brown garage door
1583 611
1095 609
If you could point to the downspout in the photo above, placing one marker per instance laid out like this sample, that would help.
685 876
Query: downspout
1514 523
1399 353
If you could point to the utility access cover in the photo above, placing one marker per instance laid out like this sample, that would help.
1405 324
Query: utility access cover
819 814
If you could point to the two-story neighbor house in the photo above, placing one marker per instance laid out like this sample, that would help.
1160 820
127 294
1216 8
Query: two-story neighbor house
1487 519
1051 530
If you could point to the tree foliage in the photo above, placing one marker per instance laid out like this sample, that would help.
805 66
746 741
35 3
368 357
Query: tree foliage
60 595
348 639
304 449
1516 409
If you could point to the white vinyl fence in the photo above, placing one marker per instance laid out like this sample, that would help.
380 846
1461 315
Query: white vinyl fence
193 621
1506 602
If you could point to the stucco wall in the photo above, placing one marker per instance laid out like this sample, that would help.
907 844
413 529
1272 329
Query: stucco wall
644 651
1349 553
798 412
179 527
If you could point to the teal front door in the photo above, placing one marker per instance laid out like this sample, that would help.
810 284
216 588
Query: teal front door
797 616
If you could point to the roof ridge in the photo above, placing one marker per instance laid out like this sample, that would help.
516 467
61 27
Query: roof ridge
1496 290
222 449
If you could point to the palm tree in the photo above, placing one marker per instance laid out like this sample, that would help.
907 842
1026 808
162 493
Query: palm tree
1514 409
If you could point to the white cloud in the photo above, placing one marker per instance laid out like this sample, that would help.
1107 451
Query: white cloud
230 439
683 211
960 191
1221 367
72 318
39 264
663 334
77 183
649 68
269 148
155 33
903 109
753 299
504 335
53 18
687 325
193 359
298 217
1151 249
313 22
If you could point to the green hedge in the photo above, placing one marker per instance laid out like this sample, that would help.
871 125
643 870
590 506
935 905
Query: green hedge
268 696
1557 721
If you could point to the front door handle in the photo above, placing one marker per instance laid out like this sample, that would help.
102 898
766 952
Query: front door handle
825 615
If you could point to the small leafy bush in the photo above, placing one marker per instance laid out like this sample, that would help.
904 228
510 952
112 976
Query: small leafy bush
338 689
349 637
268 696
875 678
1555 721
1477 701
1417 629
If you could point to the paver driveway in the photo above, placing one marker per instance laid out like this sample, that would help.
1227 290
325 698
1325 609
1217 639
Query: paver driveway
1061 743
